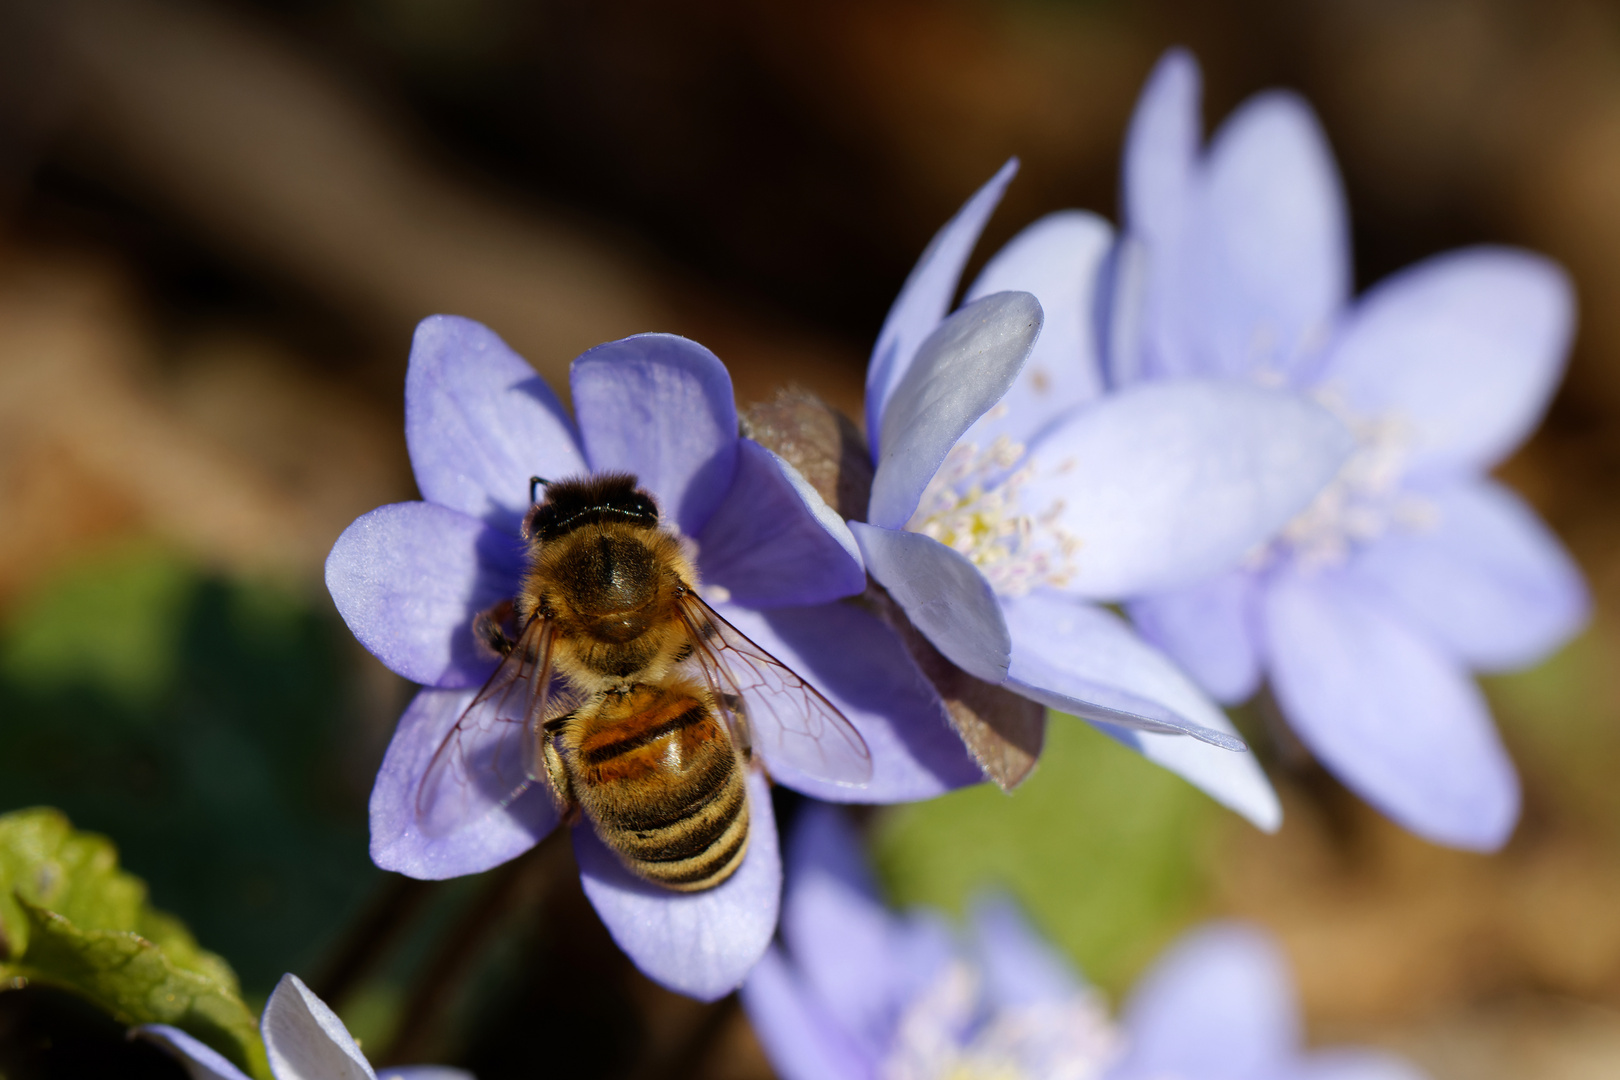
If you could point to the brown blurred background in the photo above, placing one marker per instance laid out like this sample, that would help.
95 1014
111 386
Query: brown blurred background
219 222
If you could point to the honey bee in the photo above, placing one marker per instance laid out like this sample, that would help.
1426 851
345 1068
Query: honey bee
629 697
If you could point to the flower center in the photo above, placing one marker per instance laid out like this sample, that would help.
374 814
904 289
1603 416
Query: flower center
1363 502
973 505
945 1035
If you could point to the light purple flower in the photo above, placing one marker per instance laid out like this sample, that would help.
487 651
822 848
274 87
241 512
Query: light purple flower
855 992
1011 495
304 1040
410 578
1413 567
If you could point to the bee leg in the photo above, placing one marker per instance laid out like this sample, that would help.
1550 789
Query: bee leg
562 788
489 627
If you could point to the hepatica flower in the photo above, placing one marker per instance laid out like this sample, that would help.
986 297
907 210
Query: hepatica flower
1414 566
1011 495
304 1040
409 579
854 992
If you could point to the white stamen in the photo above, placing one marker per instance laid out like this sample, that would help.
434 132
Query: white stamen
973 505
1363 502
945 1034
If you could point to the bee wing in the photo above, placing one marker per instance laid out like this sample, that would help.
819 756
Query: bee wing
797 726
492 753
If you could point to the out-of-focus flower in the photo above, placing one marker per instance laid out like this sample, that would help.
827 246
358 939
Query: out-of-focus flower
854 992
1413 566
1011 495
410 578
304 1040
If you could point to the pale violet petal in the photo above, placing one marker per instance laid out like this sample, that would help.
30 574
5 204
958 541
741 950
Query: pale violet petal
801 1041
962 369
305 1040
1388 713
1463 350
409 578
423 1072
862 667
479 422
846 947
944 595
926 297
1208 628
462 821
1018 966
1481 575
660 407
774 541
1165 483
1080 651
701 944
1265 267
1161 149
1220 1003
1057 260
197 1058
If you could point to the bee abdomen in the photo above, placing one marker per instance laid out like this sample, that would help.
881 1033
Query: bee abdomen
696 851
665 790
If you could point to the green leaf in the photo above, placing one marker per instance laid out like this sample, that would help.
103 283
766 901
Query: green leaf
71 918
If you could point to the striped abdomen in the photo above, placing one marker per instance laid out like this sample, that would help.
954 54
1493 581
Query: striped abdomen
655 770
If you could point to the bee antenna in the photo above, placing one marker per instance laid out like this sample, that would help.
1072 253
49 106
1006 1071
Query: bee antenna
535 482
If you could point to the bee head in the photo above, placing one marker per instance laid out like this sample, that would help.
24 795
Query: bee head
588 500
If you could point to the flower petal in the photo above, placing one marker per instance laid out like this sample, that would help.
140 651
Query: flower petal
1467 347
1161 149
801 1041
423 1072
965 367
305 1040
1058 260
473 830
944 595
1394 718
409 578
1018 966
1085 661
1266 263
840 936
862 667
926 297
1208 629
197 1058
1487 581
701 944
479 422
1165 483
774 541
660 407
1219 1004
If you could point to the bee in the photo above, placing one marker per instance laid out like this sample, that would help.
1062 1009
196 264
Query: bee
629 697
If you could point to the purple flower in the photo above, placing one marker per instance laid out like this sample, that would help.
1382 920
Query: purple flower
1413 567
1011 495
304 1040
410 578
854 992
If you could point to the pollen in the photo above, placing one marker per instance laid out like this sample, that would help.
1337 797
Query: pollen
975 505
1365 501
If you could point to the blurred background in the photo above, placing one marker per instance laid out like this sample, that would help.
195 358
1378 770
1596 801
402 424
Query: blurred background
220 221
